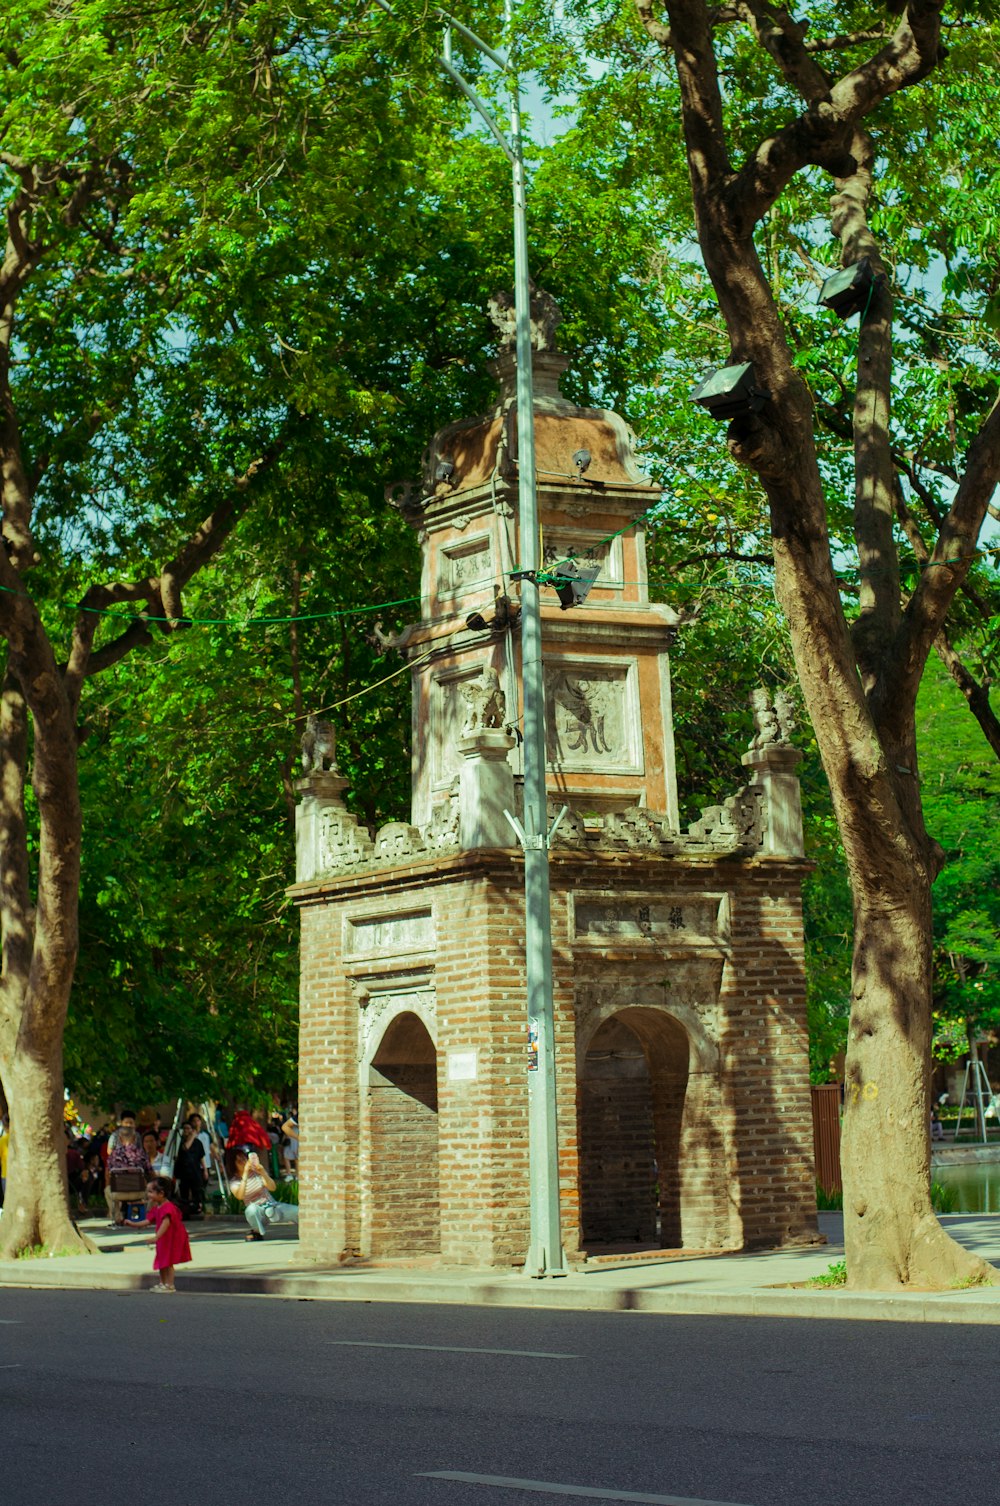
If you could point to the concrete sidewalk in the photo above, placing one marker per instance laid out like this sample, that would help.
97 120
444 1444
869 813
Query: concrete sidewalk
764 1284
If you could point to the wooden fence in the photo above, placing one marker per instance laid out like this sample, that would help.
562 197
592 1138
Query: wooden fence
826 1135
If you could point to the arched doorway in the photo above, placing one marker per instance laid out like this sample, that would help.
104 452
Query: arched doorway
403 1116
630 1111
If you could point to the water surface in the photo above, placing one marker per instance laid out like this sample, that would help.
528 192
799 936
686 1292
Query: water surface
976 1184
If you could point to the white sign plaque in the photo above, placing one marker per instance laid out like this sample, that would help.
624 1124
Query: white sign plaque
462 1066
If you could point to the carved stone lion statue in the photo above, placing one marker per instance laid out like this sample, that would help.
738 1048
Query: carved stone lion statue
773 720
766 729
486 702
784 710
545 319
319 747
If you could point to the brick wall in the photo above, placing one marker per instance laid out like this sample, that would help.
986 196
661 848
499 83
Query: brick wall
723 1076
329 1144
765 1048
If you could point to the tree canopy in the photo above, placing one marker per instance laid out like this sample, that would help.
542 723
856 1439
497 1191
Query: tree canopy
244 276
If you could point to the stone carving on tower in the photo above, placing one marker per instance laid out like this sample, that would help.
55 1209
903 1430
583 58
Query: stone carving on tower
774 718
319 747
485 701
545 319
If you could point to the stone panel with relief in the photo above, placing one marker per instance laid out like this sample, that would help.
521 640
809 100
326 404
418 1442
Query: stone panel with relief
689 918
411 932
341 841
465 565
592 717
558 547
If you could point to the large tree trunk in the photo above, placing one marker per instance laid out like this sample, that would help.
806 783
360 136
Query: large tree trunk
891 1234
40 945
36 1207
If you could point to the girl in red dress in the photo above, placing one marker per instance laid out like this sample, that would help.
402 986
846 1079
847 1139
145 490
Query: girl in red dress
170 1239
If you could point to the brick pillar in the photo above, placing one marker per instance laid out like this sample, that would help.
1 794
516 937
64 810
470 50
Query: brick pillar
767 1062
327 1093
466 1065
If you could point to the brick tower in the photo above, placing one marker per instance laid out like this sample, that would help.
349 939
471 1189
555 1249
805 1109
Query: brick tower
681 1060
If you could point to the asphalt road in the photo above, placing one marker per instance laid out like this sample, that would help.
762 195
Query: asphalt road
133 1399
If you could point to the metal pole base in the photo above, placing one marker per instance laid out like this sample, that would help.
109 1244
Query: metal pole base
537 1264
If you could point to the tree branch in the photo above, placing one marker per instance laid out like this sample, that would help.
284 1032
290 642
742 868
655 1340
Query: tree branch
842 41
718 15
657 30
903 462
85 661
162 592
950 560
784 41
730 555
701 98
822 134
874 472
109 654
976 695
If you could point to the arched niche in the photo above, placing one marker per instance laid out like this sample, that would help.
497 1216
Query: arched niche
403 1128
632 1088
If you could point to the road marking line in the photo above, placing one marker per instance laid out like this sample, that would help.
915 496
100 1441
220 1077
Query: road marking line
547 1487
11 1320
531 1354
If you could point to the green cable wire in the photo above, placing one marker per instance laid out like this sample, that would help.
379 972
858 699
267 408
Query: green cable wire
553 577
243 622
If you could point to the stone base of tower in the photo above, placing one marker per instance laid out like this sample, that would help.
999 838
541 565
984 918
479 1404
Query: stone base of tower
681 1056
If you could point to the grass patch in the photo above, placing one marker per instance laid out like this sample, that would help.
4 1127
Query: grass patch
42 1252
978 1278
835 1275
943 1199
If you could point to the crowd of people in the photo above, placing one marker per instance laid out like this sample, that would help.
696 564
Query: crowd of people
148 1175
119 1162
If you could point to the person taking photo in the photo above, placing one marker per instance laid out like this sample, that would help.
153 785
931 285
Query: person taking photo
254 1187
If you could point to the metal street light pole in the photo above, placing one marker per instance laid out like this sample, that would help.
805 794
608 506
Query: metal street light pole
545 1255
545 1251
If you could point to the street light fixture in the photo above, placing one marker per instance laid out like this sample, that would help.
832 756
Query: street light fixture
572 584
730 392
545 1255
847 291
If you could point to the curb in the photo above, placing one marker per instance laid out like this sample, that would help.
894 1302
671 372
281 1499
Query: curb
840 1306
